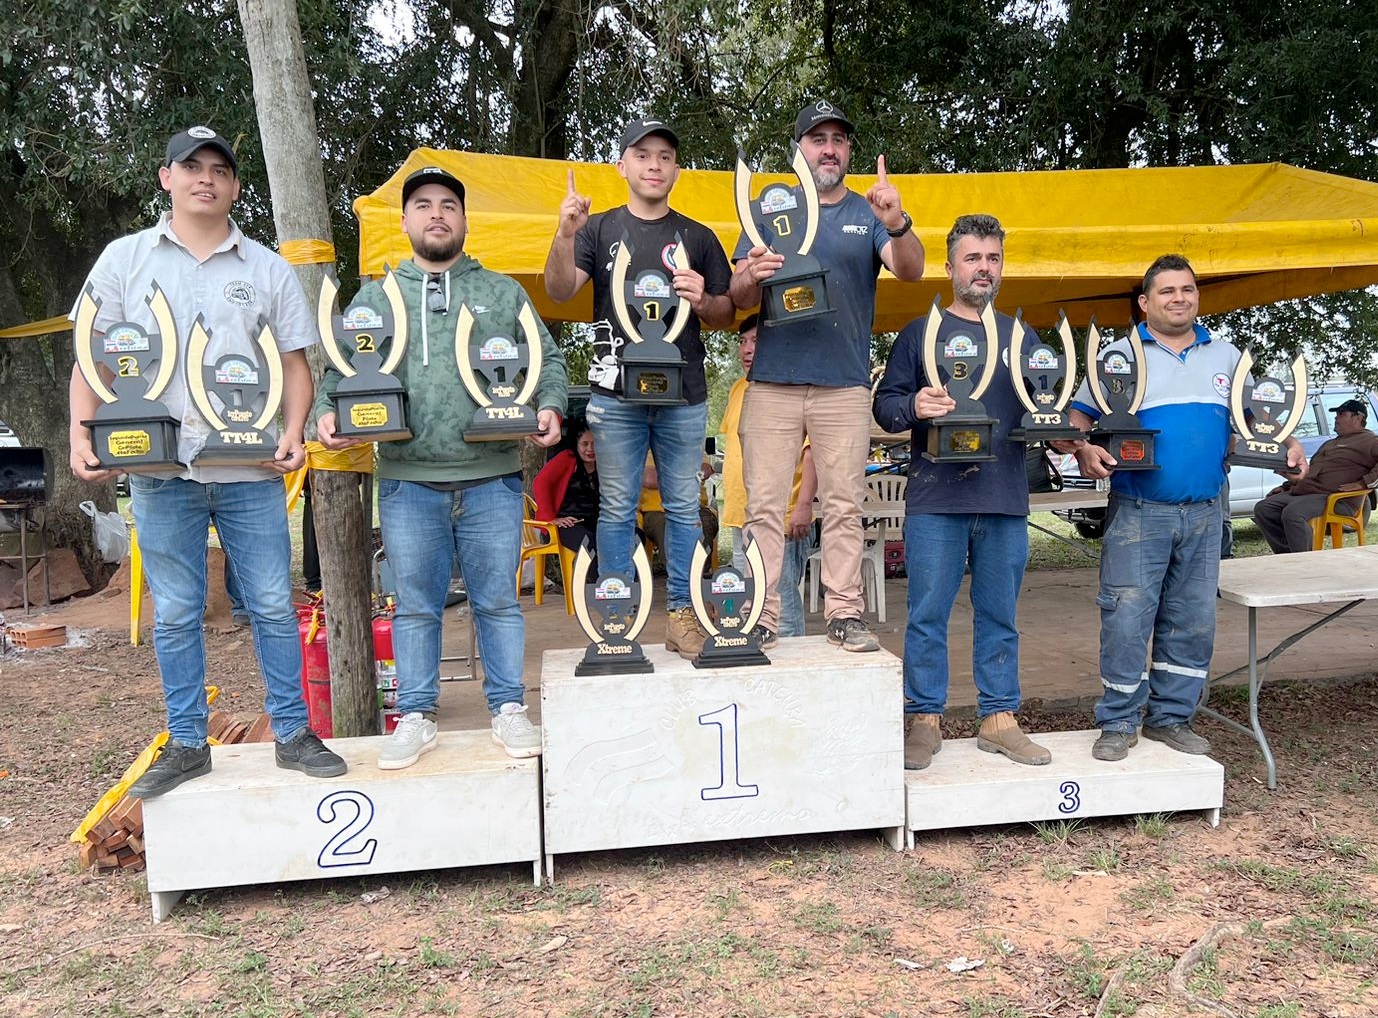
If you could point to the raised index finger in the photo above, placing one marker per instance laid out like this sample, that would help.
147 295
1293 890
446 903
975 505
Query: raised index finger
881 178
571 182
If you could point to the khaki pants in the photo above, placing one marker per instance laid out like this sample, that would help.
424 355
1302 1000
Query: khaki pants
837 422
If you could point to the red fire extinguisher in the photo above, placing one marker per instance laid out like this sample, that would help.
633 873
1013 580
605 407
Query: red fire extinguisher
315 669
385 672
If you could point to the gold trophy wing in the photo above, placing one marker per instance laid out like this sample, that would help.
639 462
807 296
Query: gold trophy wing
271 362
398 344
700 559
463 329
1093 367
325 312
82 328
621 263
527 320
642 565
167 333
741 180
1069 351
197 343
758 574
801 169
1021 390
682 312
1237 381
1137 346
1299 394
579 580
992 355
928 349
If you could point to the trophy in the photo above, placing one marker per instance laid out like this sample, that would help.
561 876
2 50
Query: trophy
1116 380
502 414
967 364
1043 381
249 392
369 402
614 599
775 220
1277 411
132 428
652 366
730 642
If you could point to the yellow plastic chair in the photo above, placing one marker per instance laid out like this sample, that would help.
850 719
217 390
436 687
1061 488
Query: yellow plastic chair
1334 522
541 538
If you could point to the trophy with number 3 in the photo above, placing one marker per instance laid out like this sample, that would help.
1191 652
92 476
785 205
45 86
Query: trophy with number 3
1265 413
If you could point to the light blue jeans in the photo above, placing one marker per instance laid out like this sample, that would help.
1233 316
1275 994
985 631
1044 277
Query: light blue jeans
797 552
424 530
622 434
1159 570
937 549
174 517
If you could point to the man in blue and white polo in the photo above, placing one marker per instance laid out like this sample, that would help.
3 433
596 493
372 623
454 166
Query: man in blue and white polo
1160 561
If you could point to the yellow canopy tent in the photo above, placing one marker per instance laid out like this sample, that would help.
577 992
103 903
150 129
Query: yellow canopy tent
1078 240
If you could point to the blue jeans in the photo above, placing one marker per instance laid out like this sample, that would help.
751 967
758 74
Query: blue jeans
797 552
174 517
622 434
424 530
1159 570
937 549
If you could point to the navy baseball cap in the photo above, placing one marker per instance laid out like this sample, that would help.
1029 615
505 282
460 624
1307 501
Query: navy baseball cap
431 175
185 144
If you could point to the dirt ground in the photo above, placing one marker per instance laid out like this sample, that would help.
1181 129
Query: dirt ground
1096 918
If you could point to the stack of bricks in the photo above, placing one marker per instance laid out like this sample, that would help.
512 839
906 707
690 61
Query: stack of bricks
116 840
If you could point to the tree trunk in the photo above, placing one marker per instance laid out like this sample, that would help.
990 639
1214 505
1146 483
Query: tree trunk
296 180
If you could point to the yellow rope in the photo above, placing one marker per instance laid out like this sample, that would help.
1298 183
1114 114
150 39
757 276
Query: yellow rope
307 252
43 328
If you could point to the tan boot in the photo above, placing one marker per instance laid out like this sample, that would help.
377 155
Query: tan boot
684 634
1000 734
923 736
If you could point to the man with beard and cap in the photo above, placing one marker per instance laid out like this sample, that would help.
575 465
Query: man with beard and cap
210 271
962 515
441 498
811 379
623 429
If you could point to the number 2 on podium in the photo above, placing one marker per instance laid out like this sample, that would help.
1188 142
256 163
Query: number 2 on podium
729 784
328 812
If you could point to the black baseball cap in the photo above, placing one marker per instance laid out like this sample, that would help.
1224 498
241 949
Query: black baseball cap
816 113
184 144
640 128
1354 406
431 175
748 323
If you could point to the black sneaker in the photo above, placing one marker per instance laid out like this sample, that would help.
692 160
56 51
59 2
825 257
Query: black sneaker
1114 745
175 764
306 753
852 634
767 639
1180 738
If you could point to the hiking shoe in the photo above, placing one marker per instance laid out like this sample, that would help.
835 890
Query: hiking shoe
852 634
683 633
240 620
767 639
1180 738
1114 745
415 734
514 732
1000 733
306 753
923 737
175 764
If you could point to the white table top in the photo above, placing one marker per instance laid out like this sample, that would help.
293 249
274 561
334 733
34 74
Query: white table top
1072 498
1309 577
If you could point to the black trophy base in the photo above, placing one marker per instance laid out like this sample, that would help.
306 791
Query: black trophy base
730 652
135 443
794 299
1032 430
501 424
653 383
961 440
1276 461
614 658
236 449
1132 448
372 416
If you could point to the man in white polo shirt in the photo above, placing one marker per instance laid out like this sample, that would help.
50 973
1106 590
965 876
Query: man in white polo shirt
207 267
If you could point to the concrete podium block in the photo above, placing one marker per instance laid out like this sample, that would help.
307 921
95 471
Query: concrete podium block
966 787
465 803
812 742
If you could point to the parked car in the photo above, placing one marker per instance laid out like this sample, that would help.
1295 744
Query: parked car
7 435
1247 484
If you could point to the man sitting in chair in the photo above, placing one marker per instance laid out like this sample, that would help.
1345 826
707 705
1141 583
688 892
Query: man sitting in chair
1348 462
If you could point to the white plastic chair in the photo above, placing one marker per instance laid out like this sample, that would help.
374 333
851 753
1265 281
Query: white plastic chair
872 569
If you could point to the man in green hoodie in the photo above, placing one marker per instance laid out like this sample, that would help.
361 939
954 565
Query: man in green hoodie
440 497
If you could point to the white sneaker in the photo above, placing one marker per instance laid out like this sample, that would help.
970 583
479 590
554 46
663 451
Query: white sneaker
413 736
514 732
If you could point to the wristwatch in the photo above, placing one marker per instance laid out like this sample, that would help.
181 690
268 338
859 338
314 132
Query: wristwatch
905 227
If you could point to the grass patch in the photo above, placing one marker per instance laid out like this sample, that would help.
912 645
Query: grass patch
1058 832
934 888
1155 891
1153 825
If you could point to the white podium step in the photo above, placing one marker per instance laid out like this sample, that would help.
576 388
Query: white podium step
812 742
966 787
465 803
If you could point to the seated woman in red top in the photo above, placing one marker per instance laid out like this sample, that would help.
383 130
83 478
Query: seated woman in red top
566 492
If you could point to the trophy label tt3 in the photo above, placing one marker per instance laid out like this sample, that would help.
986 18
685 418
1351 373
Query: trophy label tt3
369 401
1265 412
612 613
1043 378
964 365
132 428
238 395
1117 379
489 366
643 299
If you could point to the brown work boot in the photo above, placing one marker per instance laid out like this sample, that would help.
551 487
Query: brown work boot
1000 734
683 633
923 736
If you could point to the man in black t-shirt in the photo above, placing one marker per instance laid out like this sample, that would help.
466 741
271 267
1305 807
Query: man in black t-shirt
583 249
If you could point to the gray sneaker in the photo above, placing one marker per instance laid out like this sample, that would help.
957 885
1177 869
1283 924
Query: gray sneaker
1114 745
1180 738
415 734
852 634
514 732
767 639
